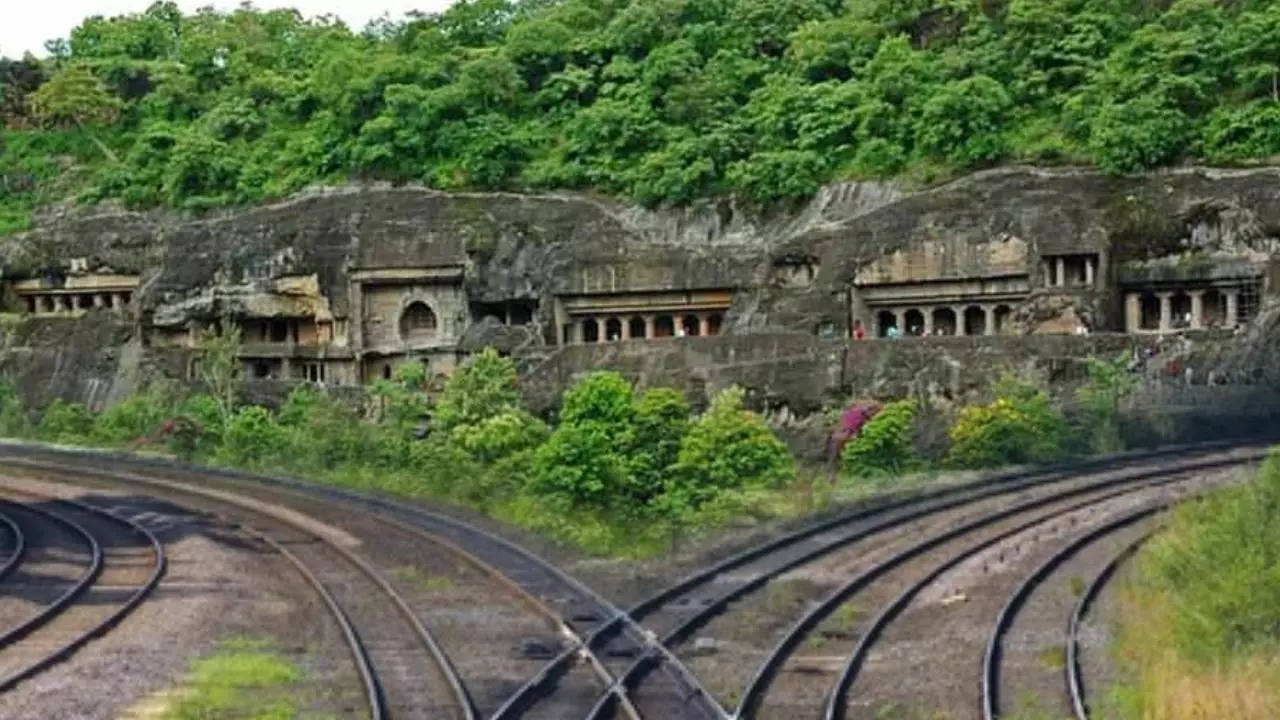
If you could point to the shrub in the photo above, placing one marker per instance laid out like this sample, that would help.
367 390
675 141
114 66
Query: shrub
136 417
661 422
251 437
481 389
604 397
884 446
500 436
729 448
1110 382
66 422
1020 426
13 417
581 464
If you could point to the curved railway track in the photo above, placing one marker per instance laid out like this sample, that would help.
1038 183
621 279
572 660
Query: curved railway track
17 545
624 669
994 685
111 586
575 610
677 612
1075 679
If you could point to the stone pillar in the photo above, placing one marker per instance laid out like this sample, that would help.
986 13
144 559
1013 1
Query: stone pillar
1132 312
1233 308
575 332
990 312
900 319
99 301
1088 270
1047 268
1061 275
626 328
959 313
649 326
1166 311
1197 308
928 322
704 324
602 330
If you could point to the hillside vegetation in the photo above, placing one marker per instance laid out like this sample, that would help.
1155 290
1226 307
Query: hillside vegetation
655 101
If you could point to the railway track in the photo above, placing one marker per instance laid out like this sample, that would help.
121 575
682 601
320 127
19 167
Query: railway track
570 678
1073 665
679 611
121 564
610 666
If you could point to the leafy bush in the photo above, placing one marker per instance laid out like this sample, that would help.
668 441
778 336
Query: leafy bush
499 436
581 464
1020 426
660 423
884 446
66 422
134 418
604 397
729 448
251 437
485 386
1110 382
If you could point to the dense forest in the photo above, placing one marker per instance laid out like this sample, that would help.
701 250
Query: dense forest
655 101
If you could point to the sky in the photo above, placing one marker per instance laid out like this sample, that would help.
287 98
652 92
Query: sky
26 24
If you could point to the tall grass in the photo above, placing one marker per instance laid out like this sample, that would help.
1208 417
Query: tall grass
1199 623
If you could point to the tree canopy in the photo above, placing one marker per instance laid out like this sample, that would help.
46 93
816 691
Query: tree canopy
656 101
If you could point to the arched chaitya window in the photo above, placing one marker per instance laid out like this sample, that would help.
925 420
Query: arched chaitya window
613 329
418 322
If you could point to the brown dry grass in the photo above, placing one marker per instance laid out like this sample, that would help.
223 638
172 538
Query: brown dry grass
1165 685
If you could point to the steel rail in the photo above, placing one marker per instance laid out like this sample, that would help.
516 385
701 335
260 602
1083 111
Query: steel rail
836 700
369 678
440 526
1075 683
991 657
359 655
19 546
445 525
65 650
78 587
891 514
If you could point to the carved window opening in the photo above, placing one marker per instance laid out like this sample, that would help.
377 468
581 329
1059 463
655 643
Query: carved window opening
1180 304
714 323
418 322
884 321
690 325
664 326
386 372
944 321
975 320
914 320
590 331
613 329
1002 318
1149 318
637 328
261 369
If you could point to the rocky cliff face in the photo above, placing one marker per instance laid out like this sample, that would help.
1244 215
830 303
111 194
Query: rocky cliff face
788 269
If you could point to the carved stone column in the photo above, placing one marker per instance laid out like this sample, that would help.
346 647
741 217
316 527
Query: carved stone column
958 311
1233 308
990 316
704 324
1061 276
928 322
649 326
1088 270
1132 312
1166 311
1197 308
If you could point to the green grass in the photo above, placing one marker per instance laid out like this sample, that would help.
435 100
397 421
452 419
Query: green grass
241 679
414 576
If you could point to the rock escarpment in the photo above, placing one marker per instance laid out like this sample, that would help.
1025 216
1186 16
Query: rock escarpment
341 286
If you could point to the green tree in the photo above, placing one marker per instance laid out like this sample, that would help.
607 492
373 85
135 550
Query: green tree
1110 382
482 388
74 96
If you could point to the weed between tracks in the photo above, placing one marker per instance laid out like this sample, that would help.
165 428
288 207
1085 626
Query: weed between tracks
242 678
